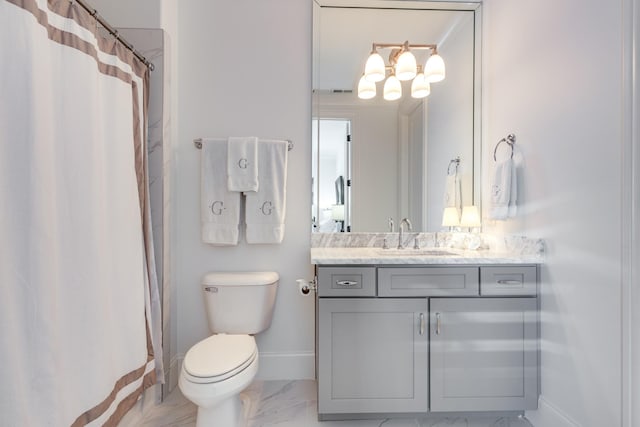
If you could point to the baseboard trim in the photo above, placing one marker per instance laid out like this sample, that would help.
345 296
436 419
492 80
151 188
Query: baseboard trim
286 366
549 415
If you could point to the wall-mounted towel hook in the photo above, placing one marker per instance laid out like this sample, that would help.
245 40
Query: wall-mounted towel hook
455 162
509 140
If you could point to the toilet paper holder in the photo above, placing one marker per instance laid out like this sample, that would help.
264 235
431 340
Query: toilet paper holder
306 286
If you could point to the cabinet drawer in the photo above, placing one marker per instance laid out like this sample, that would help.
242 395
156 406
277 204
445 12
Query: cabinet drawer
346 281
427 281
508 281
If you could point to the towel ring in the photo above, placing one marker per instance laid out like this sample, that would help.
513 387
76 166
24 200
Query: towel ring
455 162
509 140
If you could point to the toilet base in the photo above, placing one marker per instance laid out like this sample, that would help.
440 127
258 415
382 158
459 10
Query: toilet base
227 413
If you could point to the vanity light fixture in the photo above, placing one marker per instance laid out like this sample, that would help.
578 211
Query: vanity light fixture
392 88
366 88
402 67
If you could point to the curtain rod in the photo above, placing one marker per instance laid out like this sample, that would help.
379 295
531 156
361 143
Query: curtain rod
94 12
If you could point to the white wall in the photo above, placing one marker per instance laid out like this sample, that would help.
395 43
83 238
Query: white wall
240 69
449 123
552 75
244 68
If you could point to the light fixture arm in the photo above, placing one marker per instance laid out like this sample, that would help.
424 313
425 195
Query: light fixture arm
404 45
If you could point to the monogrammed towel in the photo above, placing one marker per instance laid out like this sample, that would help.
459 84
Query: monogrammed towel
220 208
242 163
265 209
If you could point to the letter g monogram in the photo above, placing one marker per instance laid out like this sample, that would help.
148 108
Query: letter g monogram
267 208
217 207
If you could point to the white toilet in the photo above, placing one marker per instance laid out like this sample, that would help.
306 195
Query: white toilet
218 368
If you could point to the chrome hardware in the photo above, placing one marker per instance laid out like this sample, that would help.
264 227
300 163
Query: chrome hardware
509 282
385 244
416 245
421 324
509 140
306 287
212 289
346 282
453 162
390 220
198 141
437 323
400 229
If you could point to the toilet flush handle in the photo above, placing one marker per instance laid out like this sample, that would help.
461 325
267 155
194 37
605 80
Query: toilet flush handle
213 289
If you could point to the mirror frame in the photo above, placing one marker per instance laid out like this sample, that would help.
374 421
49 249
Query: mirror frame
472 6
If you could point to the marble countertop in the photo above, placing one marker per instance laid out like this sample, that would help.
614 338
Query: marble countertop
442 256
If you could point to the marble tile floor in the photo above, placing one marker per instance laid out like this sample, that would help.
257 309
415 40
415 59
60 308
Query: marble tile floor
293 404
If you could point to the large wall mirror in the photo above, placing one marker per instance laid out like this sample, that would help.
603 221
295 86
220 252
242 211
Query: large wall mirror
376 159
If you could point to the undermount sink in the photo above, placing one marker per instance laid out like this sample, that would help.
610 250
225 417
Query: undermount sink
414 252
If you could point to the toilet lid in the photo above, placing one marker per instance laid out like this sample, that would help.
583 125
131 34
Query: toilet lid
219 355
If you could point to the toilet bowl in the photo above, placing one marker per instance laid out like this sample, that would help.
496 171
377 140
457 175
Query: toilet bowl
216 369
214 372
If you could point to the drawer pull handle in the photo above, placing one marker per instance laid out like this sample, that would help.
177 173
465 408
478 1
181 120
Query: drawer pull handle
509 282
437 323
421 330
346 282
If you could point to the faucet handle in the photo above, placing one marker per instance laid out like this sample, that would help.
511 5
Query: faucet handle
390 221
385 244
416 244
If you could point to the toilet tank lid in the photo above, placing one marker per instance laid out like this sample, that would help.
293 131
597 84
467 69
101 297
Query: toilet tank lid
240 278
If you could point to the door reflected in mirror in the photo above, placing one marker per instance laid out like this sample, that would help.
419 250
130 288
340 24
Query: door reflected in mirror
331 144
375 159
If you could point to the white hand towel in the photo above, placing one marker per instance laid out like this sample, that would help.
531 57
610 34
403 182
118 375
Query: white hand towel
513 197
220 208
242 163
265 209
453 193
501 189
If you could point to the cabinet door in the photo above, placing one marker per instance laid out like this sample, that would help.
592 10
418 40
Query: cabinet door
372 355
484 354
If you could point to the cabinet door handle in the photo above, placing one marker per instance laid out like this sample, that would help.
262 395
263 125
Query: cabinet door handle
437 323
346 282
421 330
509 282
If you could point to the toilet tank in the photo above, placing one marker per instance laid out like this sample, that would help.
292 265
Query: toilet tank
239 303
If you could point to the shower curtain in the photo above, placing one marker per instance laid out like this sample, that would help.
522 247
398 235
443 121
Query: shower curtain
79 333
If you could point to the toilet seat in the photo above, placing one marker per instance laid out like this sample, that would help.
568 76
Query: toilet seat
218 358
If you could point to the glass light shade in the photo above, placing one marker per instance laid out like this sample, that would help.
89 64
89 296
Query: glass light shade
420 87
366 88
406 66
450 217
337 212
470 217
374 70
392 88
434 68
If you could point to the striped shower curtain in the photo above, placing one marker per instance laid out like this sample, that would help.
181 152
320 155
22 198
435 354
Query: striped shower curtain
77 280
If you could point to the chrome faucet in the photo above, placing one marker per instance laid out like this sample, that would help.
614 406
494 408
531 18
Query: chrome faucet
404 221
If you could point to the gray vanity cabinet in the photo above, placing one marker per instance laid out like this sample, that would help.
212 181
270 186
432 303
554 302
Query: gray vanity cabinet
484 354
372 355
426 339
